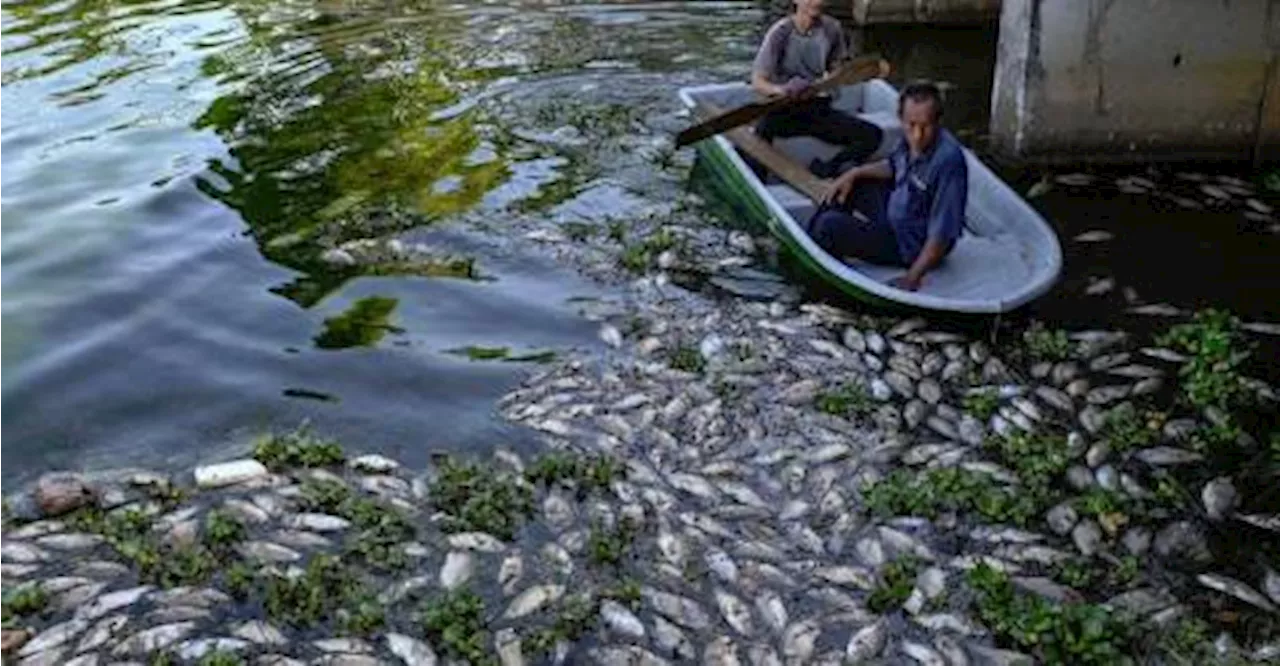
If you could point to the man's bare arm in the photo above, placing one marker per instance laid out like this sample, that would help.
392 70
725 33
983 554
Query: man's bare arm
843 185
764 86
932 253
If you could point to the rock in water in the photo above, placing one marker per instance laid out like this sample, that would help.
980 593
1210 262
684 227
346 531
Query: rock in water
57 493
1220 497
225 474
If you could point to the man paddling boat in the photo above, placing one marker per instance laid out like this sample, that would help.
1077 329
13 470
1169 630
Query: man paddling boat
797 52
914 219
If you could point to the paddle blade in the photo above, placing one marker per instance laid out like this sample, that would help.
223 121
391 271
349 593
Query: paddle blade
851 72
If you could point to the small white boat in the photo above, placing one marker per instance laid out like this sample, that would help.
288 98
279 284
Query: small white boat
1007 256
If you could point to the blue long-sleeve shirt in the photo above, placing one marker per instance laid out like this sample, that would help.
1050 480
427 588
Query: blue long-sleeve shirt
929 195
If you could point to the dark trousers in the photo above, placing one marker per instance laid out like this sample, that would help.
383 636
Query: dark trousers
857 228
816 117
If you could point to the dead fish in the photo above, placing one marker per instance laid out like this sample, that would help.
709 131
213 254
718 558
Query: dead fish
907 326
939 622
694 485
706 524
1074 179
743 494
1095 236
867 642
1236 589
671 639
1027 407
721 565
763 655
458 568
848 576
1264 328
1055 398
1042 187
923 654
771 608
611 335
1167 455
853 339
685 612
1258 206
1215 192
1099 286
1156 310
1164 354
1136 371
476 541
532 599
735 612
799 640
720 652
621 620
1004 535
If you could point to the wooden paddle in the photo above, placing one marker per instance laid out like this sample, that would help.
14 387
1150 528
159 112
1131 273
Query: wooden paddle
789 170
849 73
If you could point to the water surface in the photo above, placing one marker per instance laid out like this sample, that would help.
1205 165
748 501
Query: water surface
175 171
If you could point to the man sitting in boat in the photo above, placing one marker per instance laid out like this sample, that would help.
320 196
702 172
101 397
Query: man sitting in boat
907 209
797 52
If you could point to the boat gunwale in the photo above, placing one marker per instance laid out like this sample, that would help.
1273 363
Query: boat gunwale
835 270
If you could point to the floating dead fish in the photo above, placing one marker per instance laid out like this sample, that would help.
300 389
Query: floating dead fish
532 599
1164 354
1074 179
1099 286
735 612
867 642
1258 520
799 640
1042 187
620 620
1236 589
923 654
1215 192
1258 206
1095 236
1264 328
1156 310
1167 455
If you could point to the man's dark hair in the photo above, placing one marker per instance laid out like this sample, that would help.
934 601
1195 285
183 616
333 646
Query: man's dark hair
922 91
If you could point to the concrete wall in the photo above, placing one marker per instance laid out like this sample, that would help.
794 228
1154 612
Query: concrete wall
1115 80
869 12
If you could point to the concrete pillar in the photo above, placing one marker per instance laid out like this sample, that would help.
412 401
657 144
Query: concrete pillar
868 12
1120 80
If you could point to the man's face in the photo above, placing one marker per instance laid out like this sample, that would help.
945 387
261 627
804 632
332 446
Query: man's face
810 8
919 124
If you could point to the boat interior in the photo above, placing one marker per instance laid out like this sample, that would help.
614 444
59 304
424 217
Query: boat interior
1000 252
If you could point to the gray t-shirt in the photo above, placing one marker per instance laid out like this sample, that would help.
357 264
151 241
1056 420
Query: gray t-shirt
787 53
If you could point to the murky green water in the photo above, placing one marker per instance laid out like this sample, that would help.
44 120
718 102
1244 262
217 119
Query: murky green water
175 173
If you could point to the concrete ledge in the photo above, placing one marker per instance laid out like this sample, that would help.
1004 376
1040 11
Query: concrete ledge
1126 80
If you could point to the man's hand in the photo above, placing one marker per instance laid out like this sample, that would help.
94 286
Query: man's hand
840 188
907 281
797 87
